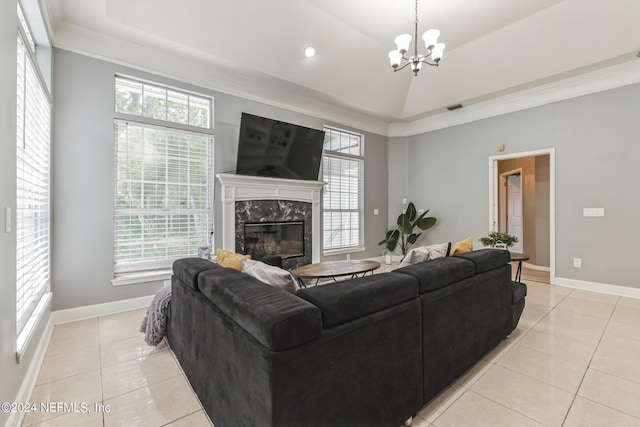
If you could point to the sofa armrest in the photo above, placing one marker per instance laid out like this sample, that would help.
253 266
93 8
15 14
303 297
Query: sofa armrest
487 259
276 318
350 299
188 270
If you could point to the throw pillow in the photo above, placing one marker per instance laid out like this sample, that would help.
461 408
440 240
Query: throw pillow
462 246
269 274
425 253
230 259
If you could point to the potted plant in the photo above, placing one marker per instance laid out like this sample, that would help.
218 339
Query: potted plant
495 238
408 221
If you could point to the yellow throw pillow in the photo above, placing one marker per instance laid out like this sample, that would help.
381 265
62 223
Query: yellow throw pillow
230 259
462 246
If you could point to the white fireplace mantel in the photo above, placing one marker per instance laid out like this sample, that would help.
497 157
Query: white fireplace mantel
242 187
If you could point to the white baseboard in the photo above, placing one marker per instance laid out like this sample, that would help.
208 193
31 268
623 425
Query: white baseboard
536 267
603 288
91 311
29 381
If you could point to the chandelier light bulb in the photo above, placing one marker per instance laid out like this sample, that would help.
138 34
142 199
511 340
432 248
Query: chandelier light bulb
437 51
402 41
431 38
395 57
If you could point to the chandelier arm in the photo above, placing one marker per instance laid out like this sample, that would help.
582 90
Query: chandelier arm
433 64
403 67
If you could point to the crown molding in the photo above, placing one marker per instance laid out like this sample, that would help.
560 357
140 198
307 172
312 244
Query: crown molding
212 73
198 69
596 81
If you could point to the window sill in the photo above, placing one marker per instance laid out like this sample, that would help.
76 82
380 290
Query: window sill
22 343
137 278
341 251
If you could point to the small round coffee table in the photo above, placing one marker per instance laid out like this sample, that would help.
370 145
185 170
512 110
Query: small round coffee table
333 269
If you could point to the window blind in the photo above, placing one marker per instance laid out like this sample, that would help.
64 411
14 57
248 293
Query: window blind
343 170
164 195
32 188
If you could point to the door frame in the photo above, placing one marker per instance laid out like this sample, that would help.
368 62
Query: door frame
493 198
503 195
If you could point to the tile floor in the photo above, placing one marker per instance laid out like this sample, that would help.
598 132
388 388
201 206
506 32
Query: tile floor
574 360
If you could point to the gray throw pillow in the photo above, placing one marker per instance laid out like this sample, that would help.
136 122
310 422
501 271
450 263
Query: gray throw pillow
269 274
425 253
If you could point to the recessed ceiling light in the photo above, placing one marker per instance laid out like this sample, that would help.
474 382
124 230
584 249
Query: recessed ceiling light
309 51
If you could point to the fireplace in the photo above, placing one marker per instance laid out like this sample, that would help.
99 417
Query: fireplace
250 200
271 219
282 238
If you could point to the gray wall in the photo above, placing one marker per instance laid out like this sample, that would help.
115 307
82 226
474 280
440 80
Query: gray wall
597 155
11 373
83 175
398 157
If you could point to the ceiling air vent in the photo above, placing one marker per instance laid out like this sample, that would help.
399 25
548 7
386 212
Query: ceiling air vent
454 107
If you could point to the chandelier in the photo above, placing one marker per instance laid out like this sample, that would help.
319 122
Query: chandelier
434 49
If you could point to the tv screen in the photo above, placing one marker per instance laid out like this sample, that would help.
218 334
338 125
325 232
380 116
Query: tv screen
272 148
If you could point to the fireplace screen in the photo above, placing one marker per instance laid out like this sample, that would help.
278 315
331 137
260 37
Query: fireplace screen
285 239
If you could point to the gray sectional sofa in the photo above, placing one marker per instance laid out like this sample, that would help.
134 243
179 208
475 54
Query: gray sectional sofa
369 351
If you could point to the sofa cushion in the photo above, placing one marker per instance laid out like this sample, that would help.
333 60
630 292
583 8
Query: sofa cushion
462 246
188 269
439 273
518 291
426 253
341 302
277 319
230 259
269 274
487 259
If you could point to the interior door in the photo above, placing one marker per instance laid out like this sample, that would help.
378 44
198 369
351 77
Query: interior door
514 210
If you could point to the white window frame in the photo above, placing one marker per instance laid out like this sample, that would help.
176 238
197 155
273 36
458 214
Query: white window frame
329 154
155 270
33 201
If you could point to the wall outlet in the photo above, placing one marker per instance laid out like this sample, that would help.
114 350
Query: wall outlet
404 201
375 211
577 262
593 212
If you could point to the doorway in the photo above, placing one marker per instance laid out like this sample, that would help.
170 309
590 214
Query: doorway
534 206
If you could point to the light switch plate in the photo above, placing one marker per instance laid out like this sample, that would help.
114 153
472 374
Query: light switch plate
7 220
593 212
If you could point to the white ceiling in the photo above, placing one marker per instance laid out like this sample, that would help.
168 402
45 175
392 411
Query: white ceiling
254 48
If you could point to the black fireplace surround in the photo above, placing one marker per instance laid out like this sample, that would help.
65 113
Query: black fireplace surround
273 212
369 351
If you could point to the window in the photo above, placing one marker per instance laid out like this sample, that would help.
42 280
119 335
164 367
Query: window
33 121
343 170
163 173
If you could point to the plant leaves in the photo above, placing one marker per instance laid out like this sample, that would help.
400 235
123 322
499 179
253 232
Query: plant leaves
404 224
411 211
426 223
412 238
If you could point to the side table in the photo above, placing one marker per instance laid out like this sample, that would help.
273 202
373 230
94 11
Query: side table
515 256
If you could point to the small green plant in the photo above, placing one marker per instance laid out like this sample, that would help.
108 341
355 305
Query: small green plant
497 236
407 223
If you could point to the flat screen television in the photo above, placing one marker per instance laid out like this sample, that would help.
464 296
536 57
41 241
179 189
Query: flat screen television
272 148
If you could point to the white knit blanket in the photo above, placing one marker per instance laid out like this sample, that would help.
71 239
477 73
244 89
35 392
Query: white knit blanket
154 324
